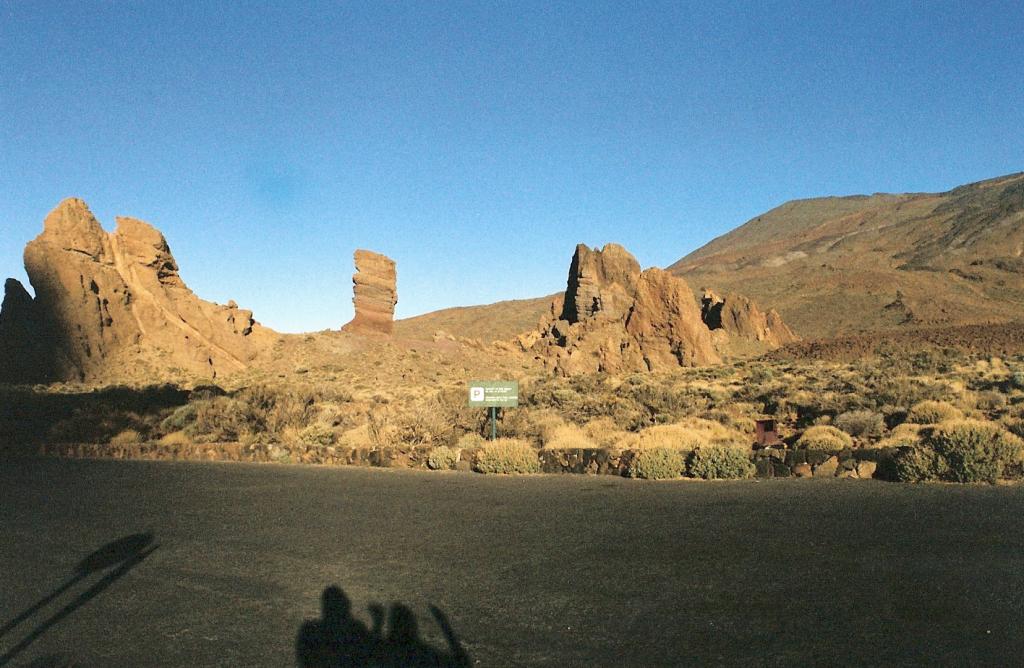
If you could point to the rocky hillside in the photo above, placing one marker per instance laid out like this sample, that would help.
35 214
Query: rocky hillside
500 321
839 265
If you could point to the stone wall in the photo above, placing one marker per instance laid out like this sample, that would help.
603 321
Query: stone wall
770 463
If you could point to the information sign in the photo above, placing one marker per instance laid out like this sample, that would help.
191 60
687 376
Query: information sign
493 394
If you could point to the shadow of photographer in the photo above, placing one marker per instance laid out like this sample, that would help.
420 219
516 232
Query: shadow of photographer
338 639
119 556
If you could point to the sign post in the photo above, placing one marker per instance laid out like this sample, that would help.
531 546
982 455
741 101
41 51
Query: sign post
493 394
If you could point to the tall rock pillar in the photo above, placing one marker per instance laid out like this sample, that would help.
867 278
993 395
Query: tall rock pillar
374 294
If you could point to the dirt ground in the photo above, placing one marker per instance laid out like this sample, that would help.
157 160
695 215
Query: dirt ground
186 564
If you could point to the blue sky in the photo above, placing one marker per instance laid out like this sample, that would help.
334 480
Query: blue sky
476 143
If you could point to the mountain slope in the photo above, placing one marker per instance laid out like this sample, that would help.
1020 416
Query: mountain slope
837 265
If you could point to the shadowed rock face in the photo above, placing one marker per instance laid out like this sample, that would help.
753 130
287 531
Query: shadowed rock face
107 301
24 341
374 294
615 318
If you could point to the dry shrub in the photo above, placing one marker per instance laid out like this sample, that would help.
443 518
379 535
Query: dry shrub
358 437
736 416
528 424
175 438
657 464
317 435
604 432
664 436
824 437
989 401
567 436
933 412
508 456
442 458
906 434
126 437
470 440
860 423
721 462
687 435
975 451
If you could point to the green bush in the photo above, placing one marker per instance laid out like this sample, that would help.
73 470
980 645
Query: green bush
657 464
721 462
317 434
824 437
507 455
974 451
918 464
933 412
442 458
863 424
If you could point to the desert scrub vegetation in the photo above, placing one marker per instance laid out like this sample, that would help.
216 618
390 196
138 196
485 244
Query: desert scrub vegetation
933 412
657 464
126 437
442 458
506 455
317 435
824 437
713 462
961 451
860 423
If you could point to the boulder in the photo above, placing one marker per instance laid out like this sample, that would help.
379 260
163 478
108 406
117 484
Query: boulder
866 469
827 469
374 294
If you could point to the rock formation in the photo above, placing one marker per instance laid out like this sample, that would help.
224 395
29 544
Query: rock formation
601 283
374 294
616 318
107 303
738 316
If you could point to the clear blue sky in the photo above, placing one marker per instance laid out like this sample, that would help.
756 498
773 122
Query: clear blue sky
477 143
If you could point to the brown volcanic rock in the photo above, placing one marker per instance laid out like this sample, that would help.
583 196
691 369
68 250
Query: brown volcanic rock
739 316
24 342
106 302
666 324
615 318
374 295
601 283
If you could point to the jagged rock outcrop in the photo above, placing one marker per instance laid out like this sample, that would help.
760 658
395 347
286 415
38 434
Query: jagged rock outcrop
109 302
738 316
616 318
601 283
24 341
374 294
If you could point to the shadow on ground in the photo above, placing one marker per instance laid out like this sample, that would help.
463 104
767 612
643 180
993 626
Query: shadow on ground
119 556
338 639
34 416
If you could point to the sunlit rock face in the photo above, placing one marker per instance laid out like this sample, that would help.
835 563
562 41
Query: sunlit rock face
374 294
616 318
107 301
